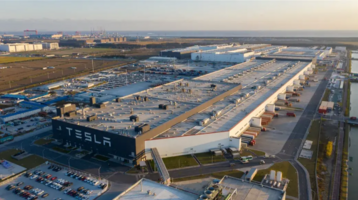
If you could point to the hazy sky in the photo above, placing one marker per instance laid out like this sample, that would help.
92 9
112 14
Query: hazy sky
55 15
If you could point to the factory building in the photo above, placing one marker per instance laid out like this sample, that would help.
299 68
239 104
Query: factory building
183 117
46 36
183 53
228 187
50 46
234 54
20 47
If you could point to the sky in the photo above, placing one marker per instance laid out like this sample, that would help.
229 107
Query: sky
171 15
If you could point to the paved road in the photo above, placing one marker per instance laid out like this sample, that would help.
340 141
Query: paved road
293 144
338 167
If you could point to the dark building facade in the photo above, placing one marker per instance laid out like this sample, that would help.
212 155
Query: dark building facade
101 142
177 54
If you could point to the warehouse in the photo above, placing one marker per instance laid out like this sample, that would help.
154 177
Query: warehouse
46 36
50 46
184 116
228 119
127 122
186 52
20 47
234 54
302 53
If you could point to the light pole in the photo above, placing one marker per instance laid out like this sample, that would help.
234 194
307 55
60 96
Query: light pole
43 153
69 165
99 172
21 145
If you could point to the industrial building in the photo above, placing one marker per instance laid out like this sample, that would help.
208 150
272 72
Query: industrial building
183 117
234 54
227 188
146 189
46 36
20 47
183 53
50 46
300 53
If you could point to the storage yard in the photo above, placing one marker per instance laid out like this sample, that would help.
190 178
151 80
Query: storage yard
20 74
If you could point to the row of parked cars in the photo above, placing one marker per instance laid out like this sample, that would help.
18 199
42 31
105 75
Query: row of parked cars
29 192
88 180
76 194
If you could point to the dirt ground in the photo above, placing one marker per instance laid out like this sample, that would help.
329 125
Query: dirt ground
325 167
26 73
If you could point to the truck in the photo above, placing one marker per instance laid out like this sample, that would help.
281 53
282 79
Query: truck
294 100
295 94
291 114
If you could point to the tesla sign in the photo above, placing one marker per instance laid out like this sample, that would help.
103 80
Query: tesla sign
105 141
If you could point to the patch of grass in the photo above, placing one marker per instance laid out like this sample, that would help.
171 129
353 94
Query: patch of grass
207 158
2 106
100 157
176 162
43 141
28 162
344 180
348 104
310 165
59 149
288 172
6 59
192 178
326 95
179 162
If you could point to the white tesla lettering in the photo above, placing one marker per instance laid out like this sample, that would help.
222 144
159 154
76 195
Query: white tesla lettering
69 131
78 134
88 137
95 139
106 140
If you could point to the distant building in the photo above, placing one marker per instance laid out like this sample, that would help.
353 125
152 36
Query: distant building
46 36
182 53
50 46
20 47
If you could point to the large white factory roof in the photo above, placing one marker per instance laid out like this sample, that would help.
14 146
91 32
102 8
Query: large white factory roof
258 73
150 190
180 96
248 190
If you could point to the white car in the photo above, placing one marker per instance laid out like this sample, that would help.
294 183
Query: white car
33 176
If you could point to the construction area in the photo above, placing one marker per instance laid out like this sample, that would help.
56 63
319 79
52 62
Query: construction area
22 74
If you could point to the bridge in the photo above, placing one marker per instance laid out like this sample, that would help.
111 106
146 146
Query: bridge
162 169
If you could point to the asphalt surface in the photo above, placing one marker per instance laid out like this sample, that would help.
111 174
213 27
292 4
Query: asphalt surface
337 173
293 144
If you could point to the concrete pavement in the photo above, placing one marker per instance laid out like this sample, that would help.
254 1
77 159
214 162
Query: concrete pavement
294 142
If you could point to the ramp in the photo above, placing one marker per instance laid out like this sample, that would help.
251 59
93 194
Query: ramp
162 169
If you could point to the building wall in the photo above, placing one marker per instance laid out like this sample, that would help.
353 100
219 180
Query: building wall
20 47
229 57
183 145
5 47
101 142
241 126
140 140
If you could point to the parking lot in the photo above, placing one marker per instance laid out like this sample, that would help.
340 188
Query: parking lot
280 129
54 183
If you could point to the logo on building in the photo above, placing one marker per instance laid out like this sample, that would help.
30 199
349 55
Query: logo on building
88 136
